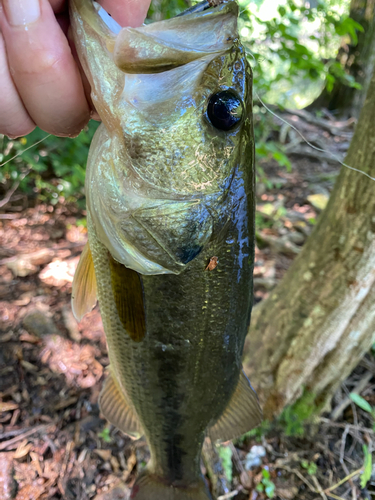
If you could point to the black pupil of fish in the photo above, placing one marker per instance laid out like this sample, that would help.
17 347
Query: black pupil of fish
224 110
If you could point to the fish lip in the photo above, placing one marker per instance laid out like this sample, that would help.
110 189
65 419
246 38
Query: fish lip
89 8
159 47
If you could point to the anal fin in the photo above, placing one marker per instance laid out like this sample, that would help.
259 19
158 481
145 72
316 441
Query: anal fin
116 409
84 285
242 414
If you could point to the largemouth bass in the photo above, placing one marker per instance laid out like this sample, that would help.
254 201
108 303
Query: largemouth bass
170 209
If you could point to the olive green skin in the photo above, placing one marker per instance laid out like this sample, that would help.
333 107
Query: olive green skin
184 209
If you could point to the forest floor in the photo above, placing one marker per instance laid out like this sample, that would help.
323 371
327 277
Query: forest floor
53 442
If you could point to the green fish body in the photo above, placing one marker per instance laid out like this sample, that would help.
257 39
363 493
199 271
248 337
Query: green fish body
170 201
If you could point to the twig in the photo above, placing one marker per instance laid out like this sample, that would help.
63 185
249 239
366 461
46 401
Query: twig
297 473
236 459
343 426
10 193
342 453
11 442
229 495
342 447
318 487
335 496
333 128
350 476
60 482
15 432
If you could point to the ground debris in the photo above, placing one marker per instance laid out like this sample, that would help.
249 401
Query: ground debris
39 323
76 362
29 263
119 492
7 482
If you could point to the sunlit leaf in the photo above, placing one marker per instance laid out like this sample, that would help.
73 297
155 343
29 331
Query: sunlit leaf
361 402
367 467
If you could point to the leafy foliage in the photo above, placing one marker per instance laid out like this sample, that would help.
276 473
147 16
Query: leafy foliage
266 484
310 467
105 434
53 171
297 45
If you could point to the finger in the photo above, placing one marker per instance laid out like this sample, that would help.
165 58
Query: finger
43 68
127 12
14 119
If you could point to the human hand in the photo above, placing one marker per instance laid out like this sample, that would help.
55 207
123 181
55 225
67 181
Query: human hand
40 82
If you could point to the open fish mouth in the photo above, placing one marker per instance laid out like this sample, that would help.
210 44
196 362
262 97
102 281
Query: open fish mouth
116 28
152 48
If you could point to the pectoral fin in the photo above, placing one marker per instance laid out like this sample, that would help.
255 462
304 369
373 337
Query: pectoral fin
84 285
116 409
128 295
242 414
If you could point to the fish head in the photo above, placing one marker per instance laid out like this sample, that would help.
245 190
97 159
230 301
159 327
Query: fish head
175 101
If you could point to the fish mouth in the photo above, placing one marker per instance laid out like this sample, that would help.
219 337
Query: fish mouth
199 32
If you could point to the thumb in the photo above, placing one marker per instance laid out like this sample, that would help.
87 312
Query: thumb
127 12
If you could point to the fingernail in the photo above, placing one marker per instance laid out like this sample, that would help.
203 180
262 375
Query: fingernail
21 12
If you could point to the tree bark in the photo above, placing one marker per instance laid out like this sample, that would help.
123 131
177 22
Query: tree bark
311 332
358 61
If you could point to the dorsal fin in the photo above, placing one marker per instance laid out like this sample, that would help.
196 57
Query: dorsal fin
84 285
242 414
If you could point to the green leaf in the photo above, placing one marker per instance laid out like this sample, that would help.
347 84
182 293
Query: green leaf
367 467
105 435
270 489
266 474
361 402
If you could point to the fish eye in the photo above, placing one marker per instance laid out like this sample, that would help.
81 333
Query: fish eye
225 110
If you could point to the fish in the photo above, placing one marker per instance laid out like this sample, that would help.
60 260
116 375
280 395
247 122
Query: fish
170 189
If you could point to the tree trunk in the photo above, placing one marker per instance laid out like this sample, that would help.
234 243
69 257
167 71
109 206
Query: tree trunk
358 61
311 332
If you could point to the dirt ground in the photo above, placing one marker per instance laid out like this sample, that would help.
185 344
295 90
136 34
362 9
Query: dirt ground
53 442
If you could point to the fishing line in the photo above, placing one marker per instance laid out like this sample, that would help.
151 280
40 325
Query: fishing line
335 157
24 151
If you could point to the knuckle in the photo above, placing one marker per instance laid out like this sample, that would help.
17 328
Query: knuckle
42 66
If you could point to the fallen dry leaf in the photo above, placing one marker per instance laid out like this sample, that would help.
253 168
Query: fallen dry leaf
104 454
9 406
23 449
